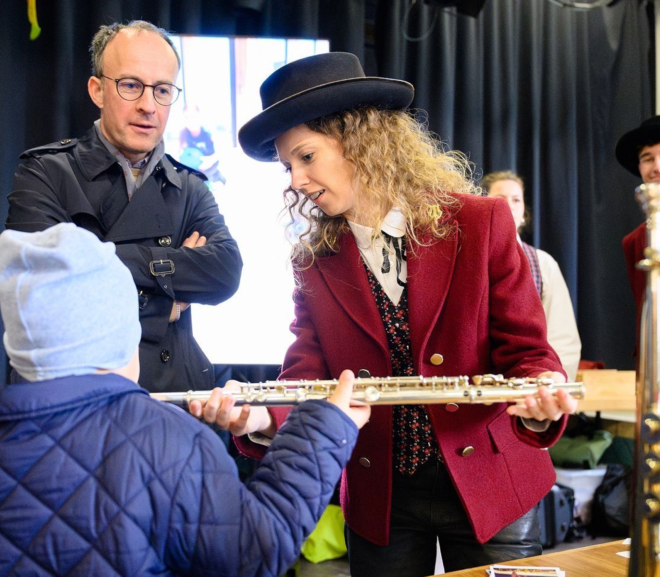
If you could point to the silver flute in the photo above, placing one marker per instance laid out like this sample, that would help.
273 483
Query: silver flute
481 389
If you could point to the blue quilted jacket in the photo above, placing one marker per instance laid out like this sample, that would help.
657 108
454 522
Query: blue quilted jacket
96 478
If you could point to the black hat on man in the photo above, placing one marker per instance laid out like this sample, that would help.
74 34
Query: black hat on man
630 144
313 87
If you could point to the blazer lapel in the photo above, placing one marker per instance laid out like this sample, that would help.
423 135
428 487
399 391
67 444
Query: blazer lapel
346 278
145 216
430 271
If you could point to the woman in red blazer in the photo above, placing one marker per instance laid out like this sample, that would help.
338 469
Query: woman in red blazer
401 270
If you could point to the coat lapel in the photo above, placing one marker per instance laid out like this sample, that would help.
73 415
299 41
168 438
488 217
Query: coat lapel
145 216
430 271
113 204
346 278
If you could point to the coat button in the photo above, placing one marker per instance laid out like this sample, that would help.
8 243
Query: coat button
65 141
164 241
366 463
164 355
451 407
364 374
437 359
467 451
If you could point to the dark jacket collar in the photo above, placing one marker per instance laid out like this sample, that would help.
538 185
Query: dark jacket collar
94 158
28 400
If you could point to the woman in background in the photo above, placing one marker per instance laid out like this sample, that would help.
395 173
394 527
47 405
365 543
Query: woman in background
562 330
401 270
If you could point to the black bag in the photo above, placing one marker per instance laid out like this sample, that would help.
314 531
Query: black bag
610 509
556 515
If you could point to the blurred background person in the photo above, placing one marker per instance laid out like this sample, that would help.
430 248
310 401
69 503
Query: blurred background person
197 148
563 334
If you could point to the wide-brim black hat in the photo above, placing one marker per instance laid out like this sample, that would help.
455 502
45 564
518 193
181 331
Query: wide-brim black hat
628 147
313 87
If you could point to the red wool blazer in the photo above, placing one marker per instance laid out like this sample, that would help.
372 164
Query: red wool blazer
472 304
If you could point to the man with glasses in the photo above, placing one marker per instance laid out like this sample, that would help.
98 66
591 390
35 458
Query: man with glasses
117 182
638 151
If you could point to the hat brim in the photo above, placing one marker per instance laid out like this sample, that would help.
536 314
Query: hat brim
627 148
257 136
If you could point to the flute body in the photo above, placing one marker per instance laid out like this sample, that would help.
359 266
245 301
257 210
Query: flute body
482 389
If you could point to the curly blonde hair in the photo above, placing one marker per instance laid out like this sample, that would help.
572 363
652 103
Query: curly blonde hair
397 162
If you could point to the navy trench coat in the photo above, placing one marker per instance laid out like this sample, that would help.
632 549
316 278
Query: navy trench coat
79 181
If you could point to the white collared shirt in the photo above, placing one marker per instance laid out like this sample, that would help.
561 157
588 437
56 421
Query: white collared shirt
371 250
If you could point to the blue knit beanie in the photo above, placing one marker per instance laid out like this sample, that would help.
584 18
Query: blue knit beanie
69 305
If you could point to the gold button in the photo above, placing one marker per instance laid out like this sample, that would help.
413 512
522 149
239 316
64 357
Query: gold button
65 141
366 463
451 407
467 451
437 359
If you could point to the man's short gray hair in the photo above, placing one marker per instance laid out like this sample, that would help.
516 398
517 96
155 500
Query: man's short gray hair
107 33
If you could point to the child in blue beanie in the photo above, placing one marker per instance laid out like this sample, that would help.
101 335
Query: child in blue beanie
97 478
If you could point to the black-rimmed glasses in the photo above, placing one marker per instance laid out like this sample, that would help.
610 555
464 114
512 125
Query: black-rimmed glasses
132 89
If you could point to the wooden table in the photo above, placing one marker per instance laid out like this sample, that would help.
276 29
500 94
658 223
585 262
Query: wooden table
607 390
597 560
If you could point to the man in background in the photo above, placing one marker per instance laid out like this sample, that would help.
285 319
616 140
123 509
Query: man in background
100 479
117 182
638 151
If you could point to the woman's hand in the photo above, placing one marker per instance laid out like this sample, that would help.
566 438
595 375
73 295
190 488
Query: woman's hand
220 410
547 405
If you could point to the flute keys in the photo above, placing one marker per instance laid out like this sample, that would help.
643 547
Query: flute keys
371 394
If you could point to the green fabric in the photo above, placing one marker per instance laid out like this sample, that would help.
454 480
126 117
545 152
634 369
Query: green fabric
620 451
327 539
581 451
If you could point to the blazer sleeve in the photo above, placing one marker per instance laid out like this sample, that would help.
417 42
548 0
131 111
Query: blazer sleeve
634 244
304 359
518 331
517 323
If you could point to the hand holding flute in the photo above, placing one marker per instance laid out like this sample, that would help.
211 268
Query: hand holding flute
220 409
547 405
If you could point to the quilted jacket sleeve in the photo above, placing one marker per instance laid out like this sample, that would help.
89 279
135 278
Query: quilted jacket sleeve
221 526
